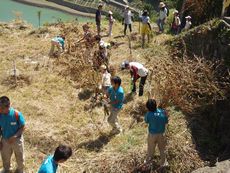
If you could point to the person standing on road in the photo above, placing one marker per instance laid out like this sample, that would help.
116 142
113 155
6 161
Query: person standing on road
12 124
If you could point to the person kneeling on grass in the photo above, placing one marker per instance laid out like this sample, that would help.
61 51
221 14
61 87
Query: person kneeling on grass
50 164
146 27
59 42
116 95
157 120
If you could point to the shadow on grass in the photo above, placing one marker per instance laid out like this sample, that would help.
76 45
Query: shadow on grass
97 144
128 98
85 94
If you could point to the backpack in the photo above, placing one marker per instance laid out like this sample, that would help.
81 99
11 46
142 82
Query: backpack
16 114
167 8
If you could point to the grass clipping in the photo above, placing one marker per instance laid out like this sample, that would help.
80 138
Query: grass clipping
187 83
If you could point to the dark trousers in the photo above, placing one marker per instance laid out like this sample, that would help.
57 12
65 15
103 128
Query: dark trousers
130 28
141 86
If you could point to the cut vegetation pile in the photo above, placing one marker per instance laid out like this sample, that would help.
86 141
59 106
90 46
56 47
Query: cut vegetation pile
55 102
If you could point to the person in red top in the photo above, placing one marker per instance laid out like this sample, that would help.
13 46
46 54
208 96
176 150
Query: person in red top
137 70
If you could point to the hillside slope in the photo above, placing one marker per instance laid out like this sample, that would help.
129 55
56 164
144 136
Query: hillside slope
54 105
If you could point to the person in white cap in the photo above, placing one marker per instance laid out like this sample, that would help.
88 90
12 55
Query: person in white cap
106 79
162 16
111 21
127 19
188 23
98 18
175 27
137 70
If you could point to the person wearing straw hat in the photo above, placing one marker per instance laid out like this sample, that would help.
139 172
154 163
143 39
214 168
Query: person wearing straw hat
127 19
175 27
98 18
162 16
12 126
111 21
188 23
146 27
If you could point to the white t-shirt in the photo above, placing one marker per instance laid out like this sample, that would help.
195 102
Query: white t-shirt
145 19
188 25
163 14
106 79
142 71
128 17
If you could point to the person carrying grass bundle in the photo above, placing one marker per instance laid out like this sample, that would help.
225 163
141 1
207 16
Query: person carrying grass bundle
50 164
12 124
116 96
59 42
146 27
157 120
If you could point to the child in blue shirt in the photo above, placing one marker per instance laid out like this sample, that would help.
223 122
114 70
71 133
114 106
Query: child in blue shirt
157 120
59 42
50 164
12 125
116 95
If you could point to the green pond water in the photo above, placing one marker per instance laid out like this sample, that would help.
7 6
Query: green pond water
9 10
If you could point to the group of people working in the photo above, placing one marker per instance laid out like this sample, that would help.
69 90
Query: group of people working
176 26
12 122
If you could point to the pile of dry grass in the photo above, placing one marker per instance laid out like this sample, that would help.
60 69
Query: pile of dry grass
186 83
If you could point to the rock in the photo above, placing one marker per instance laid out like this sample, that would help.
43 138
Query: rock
221 167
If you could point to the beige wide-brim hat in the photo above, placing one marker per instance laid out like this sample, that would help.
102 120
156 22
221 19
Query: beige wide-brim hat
100 5
110 12
188 17
162 4
176 12
103 67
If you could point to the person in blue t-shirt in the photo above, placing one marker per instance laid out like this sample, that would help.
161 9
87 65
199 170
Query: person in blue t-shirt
50 164
59 42
157 120
116 95
12 125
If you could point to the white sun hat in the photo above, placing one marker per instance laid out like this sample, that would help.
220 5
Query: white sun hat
110 12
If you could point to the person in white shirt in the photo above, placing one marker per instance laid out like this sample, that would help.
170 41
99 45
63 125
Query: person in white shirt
188 23
137 70
162 16
106 79
111 21
127 19
175 27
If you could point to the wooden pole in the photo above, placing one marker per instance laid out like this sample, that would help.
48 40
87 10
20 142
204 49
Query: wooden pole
15 72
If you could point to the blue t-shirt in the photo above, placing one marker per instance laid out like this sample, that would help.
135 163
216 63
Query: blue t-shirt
117 95
60 40
48 166
9 124
157 121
